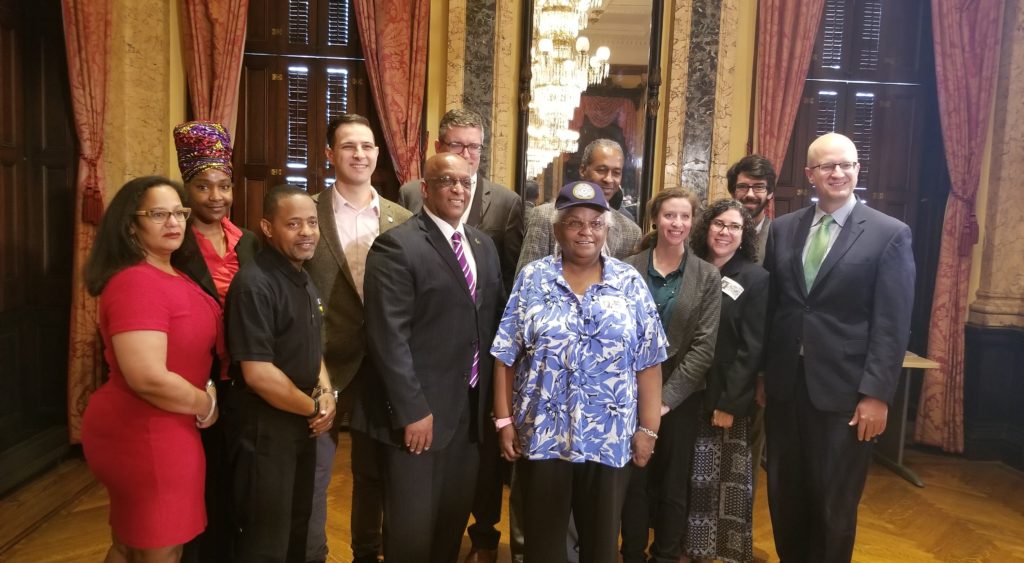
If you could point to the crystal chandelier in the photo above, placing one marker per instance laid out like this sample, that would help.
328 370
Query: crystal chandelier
562 69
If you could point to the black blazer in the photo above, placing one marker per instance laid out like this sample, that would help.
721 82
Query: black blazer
738 352
189 259
854 324
498 212
422 327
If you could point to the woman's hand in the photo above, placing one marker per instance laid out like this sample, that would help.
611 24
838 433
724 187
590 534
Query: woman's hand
508 443
721 419
643 448
207 419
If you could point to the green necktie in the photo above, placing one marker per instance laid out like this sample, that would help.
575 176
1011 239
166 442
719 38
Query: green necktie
816 251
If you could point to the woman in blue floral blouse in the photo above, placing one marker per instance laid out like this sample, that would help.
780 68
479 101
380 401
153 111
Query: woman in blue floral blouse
577 383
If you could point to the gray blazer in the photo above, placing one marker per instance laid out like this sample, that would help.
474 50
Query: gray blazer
623 236
762 239
344 328
500 218
693 328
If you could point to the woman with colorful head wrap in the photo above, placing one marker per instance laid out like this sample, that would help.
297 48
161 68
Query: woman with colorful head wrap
213 251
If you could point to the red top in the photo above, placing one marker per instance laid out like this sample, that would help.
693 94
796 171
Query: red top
222 268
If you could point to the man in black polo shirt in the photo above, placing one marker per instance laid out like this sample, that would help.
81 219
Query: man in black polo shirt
274 317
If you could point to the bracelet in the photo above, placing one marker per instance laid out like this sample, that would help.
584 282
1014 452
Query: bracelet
647 431
316 407
213 404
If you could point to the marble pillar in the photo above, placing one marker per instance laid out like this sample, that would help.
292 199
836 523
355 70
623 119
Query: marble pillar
139 94
1000 297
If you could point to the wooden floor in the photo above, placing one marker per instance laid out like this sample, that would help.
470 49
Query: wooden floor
968 511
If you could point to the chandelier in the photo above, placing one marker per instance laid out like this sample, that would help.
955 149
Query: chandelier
562 69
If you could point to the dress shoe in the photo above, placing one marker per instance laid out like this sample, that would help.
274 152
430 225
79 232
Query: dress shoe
478 555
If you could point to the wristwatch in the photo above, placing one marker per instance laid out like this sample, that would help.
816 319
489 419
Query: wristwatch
500 423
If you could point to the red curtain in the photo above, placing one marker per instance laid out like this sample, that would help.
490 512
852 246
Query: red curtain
602 111
967 39
394 35
87 36
214 39
786 30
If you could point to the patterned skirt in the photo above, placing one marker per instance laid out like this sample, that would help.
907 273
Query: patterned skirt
721 493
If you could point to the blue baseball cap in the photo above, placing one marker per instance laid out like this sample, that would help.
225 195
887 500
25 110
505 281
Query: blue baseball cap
581 193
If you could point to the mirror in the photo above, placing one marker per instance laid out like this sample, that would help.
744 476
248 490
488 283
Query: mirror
585 75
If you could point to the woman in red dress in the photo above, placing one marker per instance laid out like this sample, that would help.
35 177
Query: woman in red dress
160 332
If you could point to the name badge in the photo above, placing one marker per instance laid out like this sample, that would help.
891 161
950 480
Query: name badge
731 288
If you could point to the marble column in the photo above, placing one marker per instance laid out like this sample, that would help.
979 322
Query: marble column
1000 297
139 90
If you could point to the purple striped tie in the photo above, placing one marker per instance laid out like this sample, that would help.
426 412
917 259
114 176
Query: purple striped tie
474 376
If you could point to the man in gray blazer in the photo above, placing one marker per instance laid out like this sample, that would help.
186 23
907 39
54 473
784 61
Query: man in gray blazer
602 164
493 208
751 181
842 290
351 215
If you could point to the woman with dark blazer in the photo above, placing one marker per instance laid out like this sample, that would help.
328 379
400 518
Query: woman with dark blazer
213 251
687 293
726 238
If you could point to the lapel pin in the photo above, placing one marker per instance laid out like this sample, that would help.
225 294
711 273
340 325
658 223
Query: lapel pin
391 219
476 240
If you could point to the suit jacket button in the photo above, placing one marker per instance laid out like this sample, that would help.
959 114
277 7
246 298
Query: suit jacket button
807 309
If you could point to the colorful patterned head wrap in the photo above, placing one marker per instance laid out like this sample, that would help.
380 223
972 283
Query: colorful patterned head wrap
202 145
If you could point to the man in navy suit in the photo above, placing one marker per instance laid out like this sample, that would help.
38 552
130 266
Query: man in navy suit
842 289
433 298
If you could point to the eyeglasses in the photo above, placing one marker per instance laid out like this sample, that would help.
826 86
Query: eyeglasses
830 167
721 226
756 188
576 225
449 182
474 148
160 216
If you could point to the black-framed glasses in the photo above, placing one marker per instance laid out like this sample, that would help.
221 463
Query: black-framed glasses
721 226
576 225
449 183
756 188
160 216
473 148
830 167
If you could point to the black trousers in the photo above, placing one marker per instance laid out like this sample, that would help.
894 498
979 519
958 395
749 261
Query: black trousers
552 489
658 494
274 461
494 472
215 543
427 498
367 498
816 474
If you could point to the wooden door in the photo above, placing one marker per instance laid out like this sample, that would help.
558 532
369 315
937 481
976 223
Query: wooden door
36 207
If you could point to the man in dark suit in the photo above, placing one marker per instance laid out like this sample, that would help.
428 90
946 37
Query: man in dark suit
493 208
352 214
433 300
842 289
498 212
